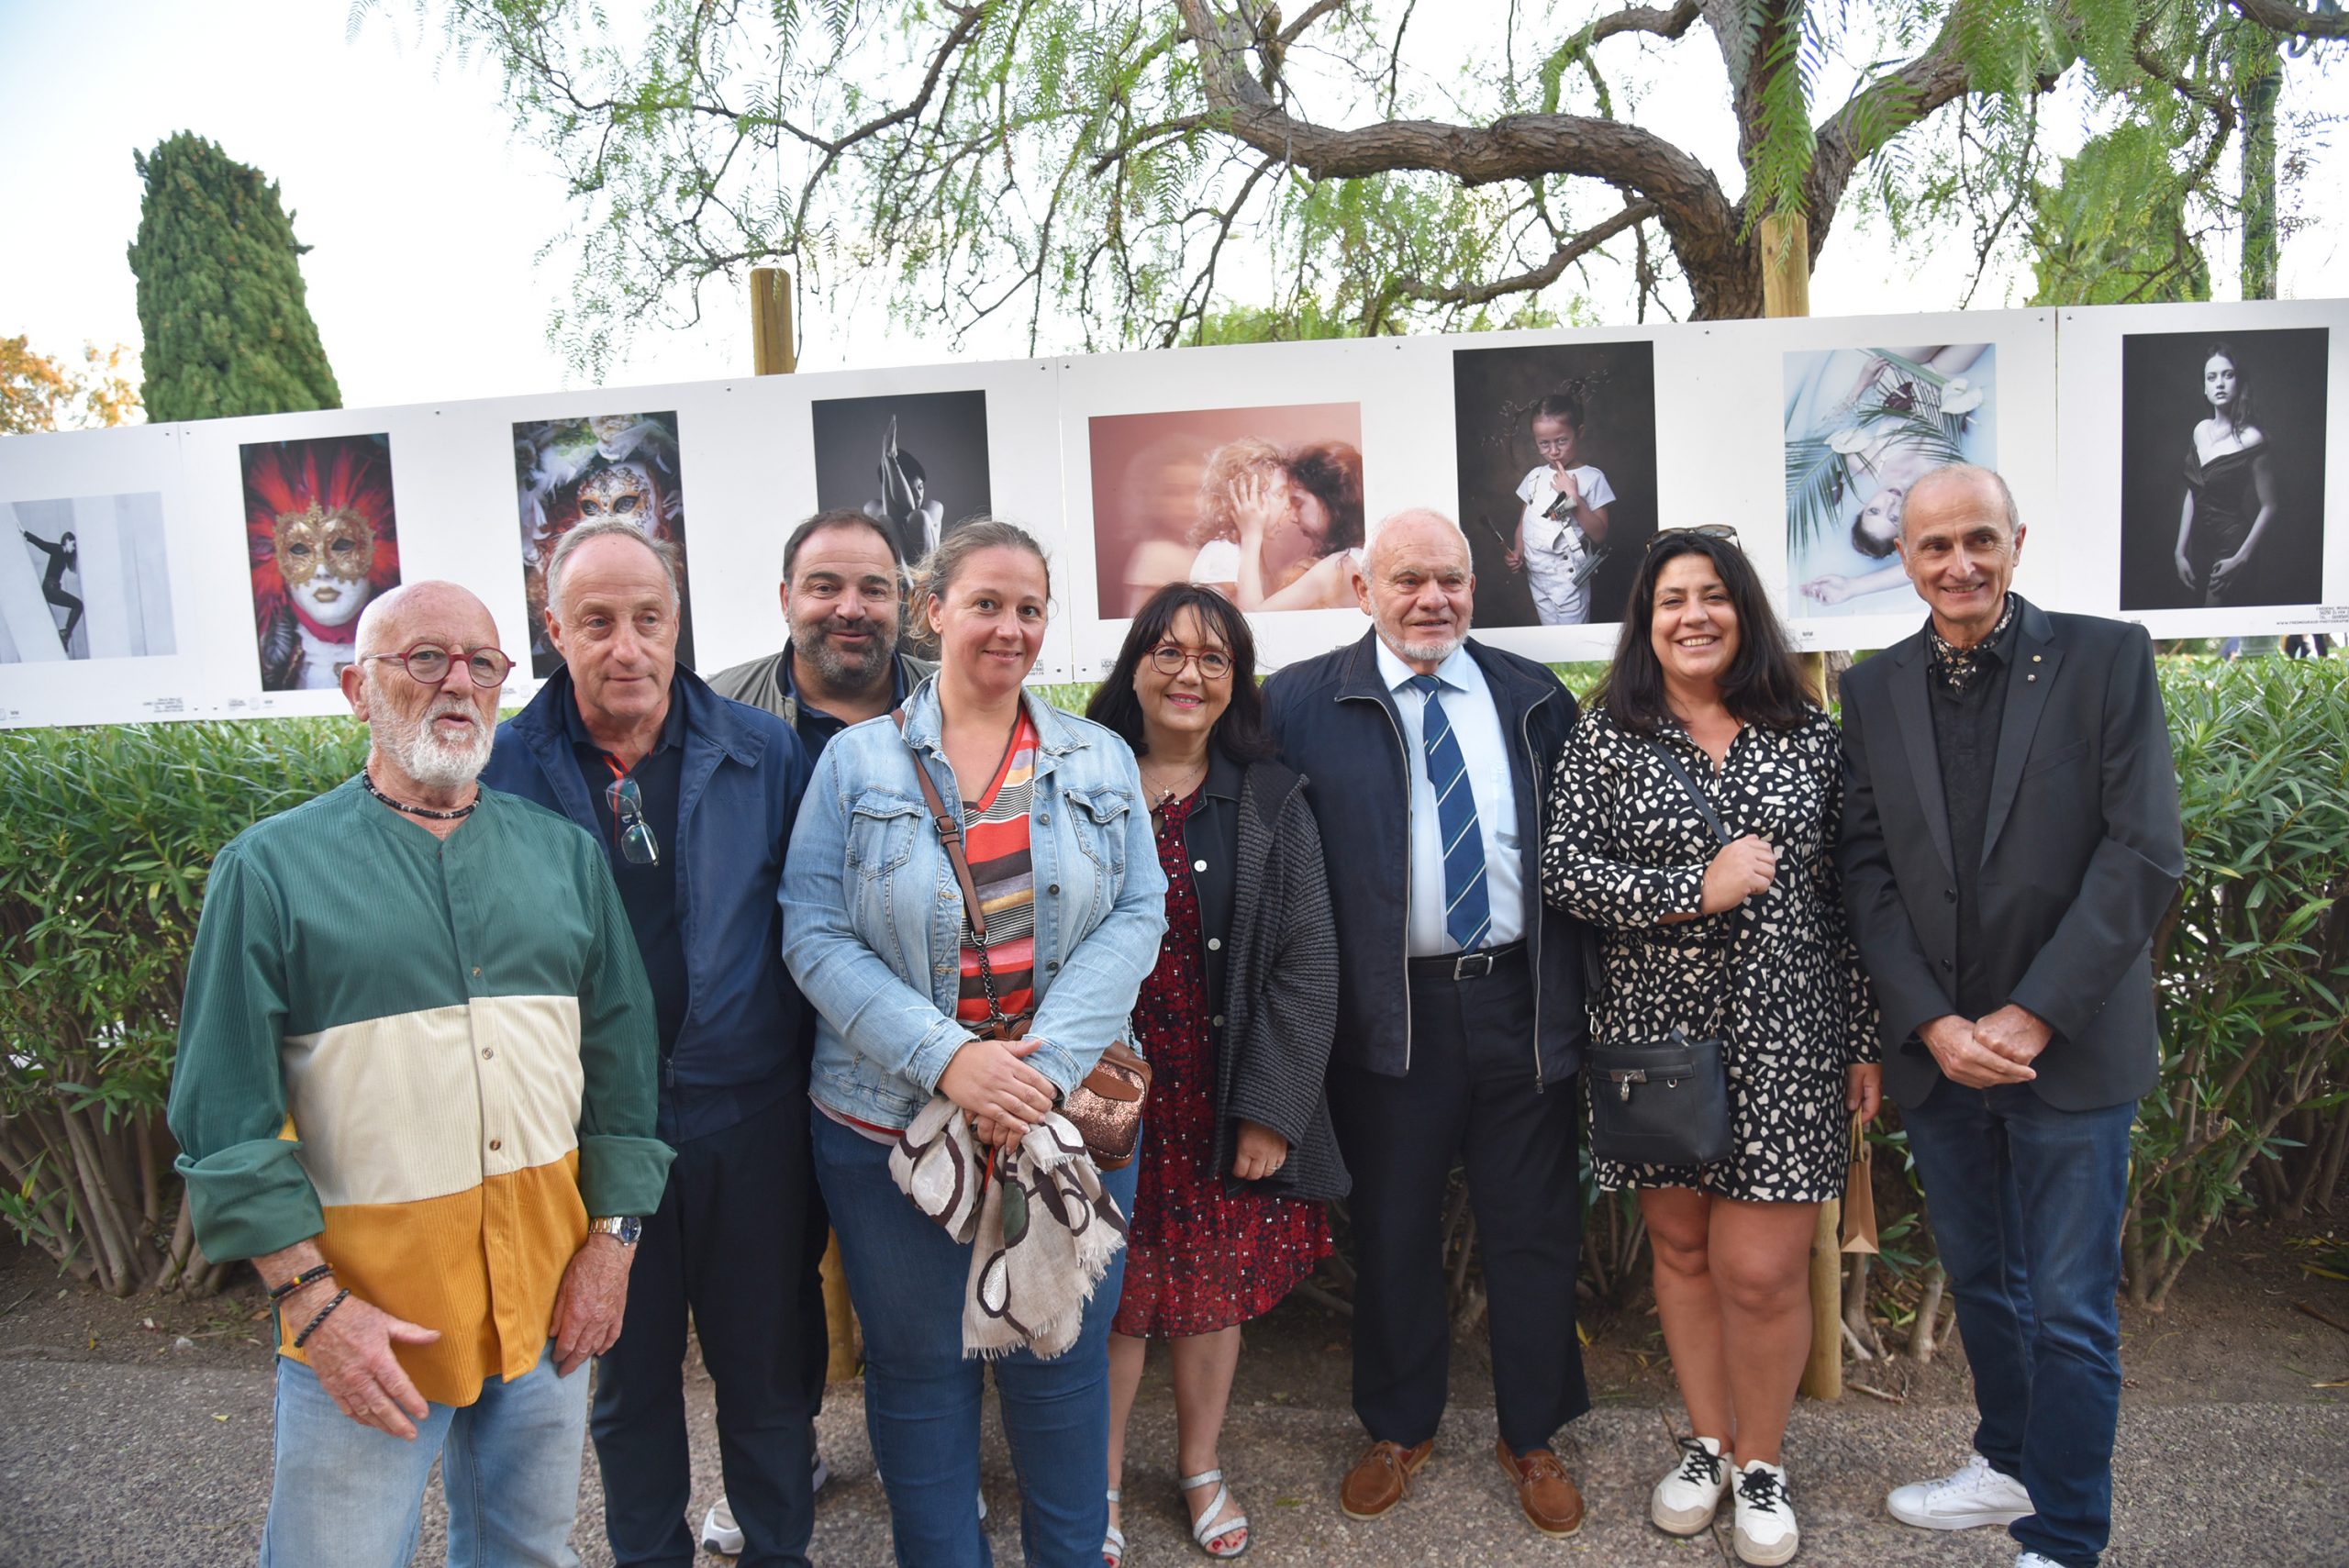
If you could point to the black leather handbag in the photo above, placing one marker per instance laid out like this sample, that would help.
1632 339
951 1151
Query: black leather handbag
1666 1103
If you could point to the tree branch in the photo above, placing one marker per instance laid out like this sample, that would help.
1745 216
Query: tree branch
1687 199
1533 279
2324 20
1886 107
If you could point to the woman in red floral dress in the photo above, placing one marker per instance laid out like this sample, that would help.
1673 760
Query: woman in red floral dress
1237 1154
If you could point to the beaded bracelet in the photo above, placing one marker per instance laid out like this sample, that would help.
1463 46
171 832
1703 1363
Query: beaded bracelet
307 1277
324 1313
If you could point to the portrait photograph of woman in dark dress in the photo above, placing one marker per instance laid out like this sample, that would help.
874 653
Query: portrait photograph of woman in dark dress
2222 469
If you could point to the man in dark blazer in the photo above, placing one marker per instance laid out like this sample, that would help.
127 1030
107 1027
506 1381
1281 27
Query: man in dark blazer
1460 1012
2010 840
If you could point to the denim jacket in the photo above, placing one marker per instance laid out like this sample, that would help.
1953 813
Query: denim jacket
873 917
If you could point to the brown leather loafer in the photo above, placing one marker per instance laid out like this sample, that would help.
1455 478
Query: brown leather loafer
1381 1475
1544 1490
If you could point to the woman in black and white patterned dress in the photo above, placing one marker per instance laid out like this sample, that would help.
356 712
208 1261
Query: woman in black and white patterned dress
1745 940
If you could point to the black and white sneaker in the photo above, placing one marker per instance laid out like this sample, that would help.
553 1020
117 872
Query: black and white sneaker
1685 1502
1765 1534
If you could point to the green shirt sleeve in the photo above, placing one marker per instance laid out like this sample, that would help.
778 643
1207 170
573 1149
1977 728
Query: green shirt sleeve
622 1166
247 1192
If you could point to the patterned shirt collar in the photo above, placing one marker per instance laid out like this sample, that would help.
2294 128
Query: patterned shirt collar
1957 667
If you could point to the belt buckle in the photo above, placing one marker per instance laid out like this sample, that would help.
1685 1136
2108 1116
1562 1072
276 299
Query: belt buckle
1472 966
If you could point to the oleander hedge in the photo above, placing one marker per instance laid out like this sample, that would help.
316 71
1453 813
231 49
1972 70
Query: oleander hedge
108 833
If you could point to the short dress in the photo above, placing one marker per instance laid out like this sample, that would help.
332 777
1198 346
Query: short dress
1198 1257
1778 976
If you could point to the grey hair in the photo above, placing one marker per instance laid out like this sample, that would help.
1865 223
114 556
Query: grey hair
1967 472
570 543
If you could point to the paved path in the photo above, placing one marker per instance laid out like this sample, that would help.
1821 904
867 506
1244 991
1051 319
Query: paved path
167 1466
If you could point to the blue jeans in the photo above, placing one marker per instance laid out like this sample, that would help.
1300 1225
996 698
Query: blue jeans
908 1279
351 1496
2027 1204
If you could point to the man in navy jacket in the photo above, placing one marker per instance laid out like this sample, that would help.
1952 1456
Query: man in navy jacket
693 797
1447 1048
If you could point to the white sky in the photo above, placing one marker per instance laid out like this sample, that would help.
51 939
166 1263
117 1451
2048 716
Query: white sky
425 214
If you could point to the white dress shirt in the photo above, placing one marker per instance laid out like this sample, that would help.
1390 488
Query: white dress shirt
1476 725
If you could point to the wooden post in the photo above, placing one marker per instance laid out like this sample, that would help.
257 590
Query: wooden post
1786 291
773 353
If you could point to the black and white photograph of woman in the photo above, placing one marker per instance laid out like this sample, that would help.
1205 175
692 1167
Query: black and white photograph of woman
2222 469
88 581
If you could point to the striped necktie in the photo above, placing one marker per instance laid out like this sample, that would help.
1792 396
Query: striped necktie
1467 902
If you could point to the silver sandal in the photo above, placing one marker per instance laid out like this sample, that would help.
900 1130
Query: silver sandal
1205 1527
1113 1545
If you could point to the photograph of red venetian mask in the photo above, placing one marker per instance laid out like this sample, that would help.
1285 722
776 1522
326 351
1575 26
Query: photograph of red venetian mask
569 472
322 541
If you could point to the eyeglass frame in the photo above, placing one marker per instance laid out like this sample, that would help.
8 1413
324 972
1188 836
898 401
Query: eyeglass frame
451 654
626 798
1184 657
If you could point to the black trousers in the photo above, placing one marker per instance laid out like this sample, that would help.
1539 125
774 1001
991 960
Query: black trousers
1470 1096
729 1245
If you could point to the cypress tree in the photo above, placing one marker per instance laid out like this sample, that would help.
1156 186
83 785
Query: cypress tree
221 294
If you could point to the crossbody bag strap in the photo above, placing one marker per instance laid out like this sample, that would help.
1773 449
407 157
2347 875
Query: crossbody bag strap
949 827
1720 831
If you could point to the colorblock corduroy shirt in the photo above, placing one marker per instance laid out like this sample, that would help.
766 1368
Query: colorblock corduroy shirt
435 1057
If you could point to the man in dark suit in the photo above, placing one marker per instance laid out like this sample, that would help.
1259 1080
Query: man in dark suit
1460 1021
2010 840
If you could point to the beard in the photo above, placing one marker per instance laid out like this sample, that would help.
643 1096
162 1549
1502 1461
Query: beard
840 668
1432 648
419 750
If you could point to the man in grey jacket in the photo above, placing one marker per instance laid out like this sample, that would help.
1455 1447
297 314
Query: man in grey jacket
844 603
843 600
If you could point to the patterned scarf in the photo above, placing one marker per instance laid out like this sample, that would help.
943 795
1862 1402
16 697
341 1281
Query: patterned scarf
1040 1230
1957 666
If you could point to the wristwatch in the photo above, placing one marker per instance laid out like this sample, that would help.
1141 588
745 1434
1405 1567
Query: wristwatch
623 1229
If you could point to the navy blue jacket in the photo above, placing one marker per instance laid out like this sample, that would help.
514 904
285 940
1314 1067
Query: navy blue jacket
1337 725
741 1046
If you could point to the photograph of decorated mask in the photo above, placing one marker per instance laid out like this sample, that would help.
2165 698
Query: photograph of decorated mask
590 470
322 541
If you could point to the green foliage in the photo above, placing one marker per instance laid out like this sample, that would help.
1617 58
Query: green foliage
108 836
220 291
2111 228
1079 167
2253 964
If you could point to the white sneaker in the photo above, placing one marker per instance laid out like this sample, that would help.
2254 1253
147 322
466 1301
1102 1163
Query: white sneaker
2033 1560
1974 1495
1765 1534
1683 1502
720 1533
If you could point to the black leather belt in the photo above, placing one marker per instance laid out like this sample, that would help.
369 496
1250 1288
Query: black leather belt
1464 965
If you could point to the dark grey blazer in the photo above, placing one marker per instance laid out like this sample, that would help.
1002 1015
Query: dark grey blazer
2081 854
1271 970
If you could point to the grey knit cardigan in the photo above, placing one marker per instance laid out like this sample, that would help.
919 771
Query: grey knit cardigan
1280 992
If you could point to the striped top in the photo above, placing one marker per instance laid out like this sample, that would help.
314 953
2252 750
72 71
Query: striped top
434 1057
995 840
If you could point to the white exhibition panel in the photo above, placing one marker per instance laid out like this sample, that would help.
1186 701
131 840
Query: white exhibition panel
1728 397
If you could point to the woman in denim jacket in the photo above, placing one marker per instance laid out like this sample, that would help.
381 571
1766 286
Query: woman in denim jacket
874 932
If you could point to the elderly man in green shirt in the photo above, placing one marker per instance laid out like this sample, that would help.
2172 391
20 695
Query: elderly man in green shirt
415 1087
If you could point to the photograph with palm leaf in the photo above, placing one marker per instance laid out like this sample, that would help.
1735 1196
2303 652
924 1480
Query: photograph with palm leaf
1861 425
